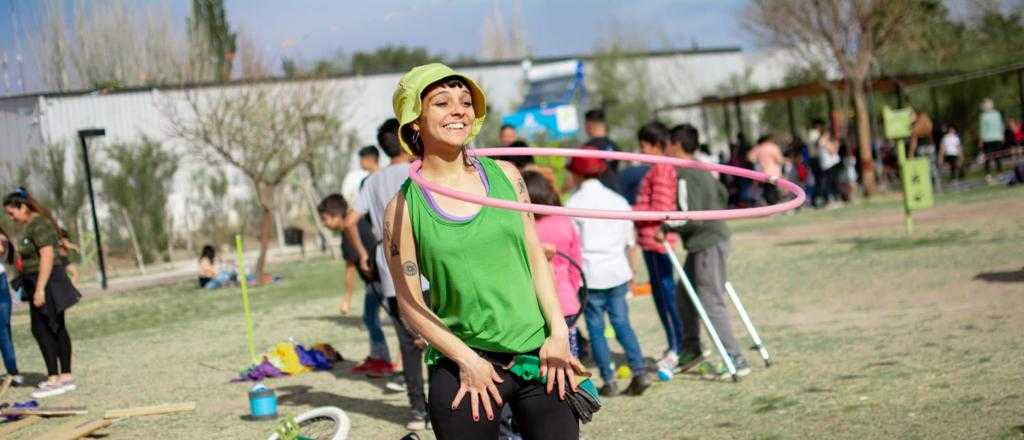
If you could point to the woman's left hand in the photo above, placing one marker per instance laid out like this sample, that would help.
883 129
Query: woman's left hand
558 363
39 299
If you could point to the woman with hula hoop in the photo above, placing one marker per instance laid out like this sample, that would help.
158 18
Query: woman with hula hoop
494 307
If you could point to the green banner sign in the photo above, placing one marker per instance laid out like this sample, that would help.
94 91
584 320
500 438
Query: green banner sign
917 184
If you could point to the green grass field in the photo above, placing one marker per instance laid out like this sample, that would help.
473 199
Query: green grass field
875 335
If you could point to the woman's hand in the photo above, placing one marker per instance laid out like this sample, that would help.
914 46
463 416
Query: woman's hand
478 378
558 363
39 299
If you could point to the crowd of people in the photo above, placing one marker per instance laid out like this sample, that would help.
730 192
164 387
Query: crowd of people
483 296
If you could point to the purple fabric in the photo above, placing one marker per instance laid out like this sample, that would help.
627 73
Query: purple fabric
433 203
303 355
22 405
316 360
259 372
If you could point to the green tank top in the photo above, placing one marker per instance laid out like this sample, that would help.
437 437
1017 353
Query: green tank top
481 285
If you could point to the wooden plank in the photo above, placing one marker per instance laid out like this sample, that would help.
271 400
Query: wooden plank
46 411
75 430
150 410
12 427
6 385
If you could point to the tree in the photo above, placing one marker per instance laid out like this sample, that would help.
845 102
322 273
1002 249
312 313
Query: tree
136 186
849 33
64 193
258 130
500 40
107 45
212 42
619 86
391 59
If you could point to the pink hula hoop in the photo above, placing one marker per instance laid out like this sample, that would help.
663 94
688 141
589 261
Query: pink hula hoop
722 214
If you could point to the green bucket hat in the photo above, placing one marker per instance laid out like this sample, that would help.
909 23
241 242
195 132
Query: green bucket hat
407 100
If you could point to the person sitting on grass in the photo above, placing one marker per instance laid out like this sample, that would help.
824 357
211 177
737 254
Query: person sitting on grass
609 250
210 276
707 247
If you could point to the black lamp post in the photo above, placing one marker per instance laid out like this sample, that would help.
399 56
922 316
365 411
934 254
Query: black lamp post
83 136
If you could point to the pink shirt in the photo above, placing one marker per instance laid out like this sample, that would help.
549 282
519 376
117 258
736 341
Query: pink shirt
561 232
768 156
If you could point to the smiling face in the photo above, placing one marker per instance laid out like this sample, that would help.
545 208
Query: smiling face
447 115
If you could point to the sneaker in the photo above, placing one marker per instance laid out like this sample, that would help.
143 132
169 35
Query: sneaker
396 384
638 385
610 389
364 366
418 423
48 389
718 370
17 380
69 385
669 360
381 368
688 361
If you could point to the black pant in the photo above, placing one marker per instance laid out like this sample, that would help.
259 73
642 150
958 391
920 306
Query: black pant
540 416
829 183
993 149
412 361
55 345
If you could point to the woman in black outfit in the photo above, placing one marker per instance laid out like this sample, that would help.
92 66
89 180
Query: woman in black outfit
47 287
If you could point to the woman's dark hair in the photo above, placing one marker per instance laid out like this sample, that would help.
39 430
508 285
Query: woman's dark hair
208 252
8 245
654 133
540 190
410 136
387 138
20 197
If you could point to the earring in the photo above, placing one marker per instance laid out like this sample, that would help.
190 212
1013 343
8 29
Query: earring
415 137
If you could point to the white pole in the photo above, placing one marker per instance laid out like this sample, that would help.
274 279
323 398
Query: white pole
748 324
700 310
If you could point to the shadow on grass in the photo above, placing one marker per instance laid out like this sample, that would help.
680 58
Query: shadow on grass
301 395
1012 276
943 238
795 243
765 404
342 320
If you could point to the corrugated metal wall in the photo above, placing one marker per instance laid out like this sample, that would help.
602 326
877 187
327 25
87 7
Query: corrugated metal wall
363 103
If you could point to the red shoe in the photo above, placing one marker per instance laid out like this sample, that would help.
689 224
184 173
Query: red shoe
381 368
364 366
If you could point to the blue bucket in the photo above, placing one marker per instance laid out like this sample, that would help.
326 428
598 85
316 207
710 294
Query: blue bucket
262 402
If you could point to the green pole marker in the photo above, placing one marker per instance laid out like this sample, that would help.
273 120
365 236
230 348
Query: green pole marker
915 173
244 280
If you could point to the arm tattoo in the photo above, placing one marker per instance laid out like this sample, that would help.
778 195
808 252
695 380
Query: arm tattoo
409 268
524 194
392 244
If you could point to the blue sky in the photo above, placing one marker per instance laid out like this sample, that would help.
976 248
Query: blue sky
309 29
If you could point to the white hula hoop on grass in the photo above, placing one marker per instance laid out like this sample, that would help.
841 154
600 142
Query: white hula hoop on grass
324 423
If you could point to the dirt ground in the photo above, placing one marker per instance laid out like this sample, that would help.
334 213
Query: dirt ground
874 334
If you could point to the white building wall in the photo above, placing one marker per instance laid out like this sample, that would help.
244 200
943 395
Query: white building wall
363 103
